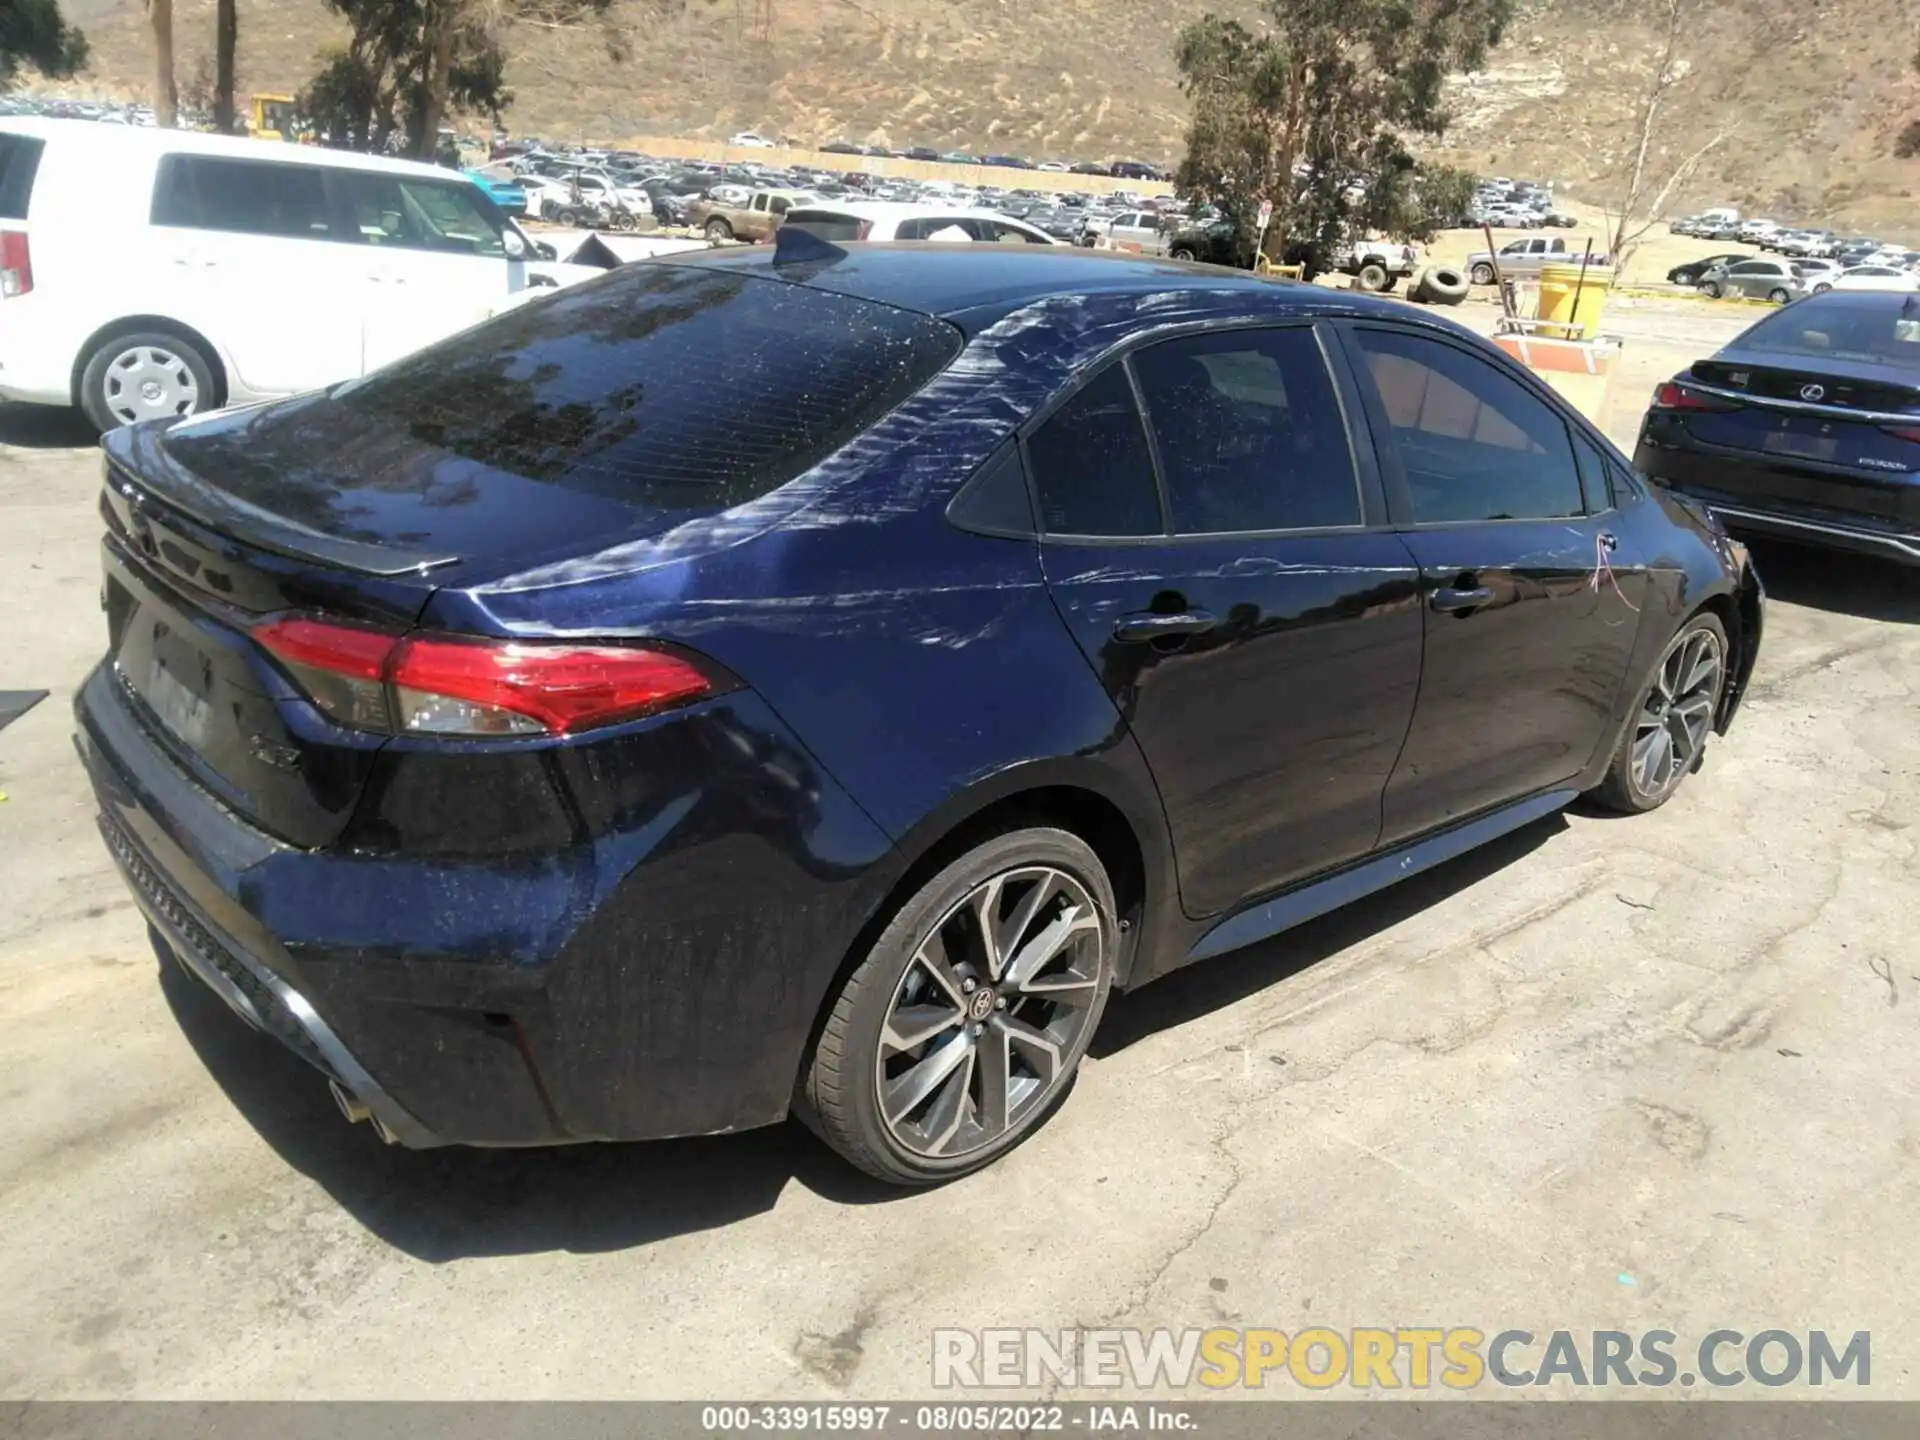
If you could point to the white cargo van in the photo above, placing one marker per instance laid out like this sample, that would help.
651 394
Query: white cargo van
149 272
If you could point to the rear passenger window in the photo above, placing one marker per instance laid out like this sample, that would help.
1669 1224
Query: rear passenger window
1250 432
19 163
1090 465
250 197
1473 443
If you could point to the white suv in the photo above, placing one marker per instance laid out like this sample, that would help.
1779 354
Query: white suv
878 220
148 273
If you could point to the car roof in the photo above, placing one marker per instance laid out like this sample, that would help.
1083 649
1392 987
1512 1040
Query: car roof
975 286
141 139
903 210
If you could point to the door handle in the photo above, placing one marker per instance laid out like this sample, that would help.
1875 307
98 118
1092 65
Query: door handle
1453 601
1608 540
1148 625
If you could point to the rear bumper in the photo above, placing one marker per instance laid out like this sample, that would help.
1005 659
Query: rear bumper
1725 484
655 981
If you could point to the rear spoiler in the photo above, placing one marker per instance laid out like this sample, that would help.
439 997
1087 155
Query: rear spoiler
138 466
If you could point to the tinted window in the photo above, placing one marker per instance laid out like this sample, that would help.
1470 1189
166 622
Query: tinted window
608 387
252 197
1594 466
19 163
1250 432
1876 328
1090 464
824 223
1472 443
996 499
422 214
998 232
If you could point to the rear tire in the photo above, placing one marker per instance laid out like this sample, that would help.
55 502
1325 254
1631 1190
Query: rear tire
1666 740
994 1034
146 375
1181 252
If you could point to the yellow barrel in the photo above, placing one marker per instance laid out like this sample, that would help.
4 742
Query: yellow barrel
1567 298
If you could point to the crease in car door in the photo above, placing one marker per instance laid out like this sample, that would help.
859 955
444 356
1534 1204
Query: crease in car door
1221 574
1531 605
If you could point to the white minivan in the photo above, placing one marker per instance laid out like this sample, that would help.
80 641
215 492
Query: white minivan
148 273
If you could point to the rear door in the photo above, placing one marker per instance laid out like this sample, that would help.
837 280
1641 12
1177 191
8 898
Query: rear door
1228 574
255 263
1532 593
430 255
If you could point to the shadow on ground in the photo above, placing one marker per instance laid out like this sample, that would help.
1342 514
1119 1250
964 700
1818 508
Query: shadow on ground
449 1204
46 427
1838 582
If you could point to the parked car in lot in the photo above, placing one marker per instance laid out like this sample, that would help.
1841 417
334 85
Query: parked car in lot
750 139
1130 229
1754 279
753 217
1870 277
1524 259
1212 242
1807 426
507 193
575 802
1377 265
878 220
1694 271
215 270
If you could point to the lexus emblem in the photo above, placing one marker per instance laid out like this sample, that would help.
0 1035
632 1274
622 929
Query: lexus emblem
1813 392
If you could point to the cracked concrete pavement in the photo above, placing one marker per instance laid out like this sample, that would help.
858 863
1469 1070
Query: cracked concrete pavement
1603 1074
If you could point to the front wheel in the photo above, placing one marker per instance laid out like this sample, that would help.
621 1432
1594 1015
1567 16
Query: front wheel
718 230
1372 278
961 1030
1778 296
1483 274
1181 252
1710 289
1666 740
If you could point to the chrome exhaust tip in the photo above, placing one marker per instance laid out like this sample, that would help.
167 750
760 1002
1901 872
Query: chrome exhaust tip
350 1106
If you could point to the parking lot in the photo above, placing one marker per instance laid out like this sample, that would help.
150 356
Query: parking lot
1602 1074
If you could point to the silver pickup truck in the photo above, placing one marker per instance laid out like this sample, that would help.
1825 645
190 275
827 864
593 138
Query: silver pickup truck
1523 259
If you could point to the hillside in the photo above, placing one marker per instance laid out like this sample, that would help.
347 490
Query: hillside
1807 92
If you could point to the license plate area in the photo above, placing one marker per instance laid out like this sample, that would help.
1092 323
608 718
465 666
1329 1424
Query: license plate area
1804 440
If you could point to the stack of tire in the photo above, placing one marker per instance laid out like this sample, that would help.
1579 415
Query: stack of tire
1438 285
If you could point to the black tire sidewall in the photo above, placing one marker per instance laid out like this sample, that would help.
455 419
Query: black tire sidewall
93 390
1482 275
854 1126
1618 790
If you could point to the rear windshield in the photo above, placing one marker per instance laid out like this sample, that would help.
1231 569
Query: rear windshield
671 389
825 224
1884 329
19 162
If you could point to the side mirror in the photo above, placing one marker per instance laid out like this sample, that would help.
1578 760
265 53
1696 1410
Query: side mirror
544 251
514 244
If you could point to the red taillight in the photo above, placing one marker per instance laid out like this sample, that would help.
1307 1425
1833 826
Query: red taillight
1669 395
16 263
1904 432
445 685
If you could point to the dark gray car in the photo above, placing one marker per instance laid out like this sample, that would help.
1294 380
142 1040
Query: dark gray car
1754 280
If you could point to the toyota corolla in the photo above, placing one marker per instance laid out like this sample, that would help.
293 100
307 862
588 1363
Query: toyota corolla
811 680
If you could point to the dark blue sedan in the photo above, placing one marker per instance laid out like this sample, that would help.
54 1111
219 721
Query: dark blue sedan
1806 427
806 679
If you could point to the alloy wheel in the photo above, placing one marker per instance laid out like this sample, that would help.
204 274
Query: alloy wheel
149 382
1678 711
992 1013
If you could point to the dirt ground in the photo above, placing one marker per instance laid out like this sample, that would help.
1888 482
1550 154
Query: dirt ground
1641 1073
